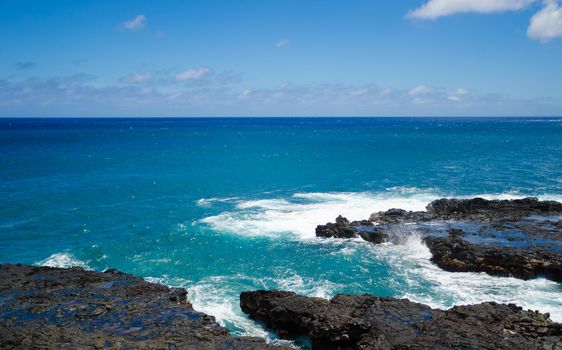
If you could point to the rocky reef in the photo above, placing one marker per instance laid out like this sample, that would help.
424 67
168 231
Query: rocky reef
51 308
345 229
456 255
475 209
521 238
368 322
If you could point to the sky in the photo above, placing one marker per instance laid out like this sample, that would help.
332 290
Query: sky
280 58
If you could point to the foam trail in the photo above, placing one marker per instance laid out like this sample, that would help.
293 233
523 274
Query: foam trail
300 213
63 260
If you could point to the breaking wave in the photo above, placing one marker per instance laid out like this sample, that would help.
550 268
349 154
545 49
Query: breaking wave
63 260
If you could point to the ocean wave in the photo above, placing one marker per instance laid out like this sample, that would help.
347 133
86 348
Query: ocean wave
208 202
299 214
296 217
428 284
63 260
219 296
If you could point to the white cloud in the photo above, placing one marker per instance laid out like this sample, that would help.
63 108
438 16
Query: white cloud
420 90
547 23
136 78
438 8
283 42
193 74
458 94
136 23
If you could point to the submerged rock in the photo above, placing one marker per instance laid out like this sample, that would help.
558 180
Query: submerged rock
368 322
456 255
51 308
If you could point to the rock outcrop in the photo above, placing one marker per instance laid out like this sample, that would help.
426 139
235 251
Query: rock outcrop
535 225
51 308
368 322
479 207
456 255
342 228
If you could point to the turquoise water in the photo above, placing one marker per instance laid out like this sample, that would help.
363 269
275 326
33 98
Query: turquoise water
224 205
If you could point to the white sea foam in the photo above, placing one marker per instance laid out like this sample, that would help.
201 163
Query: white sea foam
208 202
219 296
300 213
297 216
428 284
63 260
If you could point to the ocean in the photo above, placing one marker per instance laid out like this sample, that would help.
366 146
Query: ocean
224 205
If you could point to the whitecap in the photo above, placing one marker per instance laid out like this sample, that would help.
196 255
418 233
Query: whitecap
428 284
299 214
63 260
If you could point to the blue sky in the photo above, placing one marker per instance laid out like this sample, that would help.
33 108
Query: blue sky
280 58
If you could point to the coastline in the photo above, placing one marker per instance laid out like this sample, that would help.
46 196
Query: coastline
32 295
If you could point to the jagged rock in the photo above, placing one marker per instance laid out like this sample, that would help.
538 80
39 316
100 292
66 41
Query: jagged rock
368 322
396 216
342 228
455 254
50 308
376 236
462 208
533 221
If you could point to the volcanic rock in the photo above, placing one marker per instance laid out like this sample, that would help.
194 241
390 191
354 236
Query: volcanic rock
455 254
369 322
51 308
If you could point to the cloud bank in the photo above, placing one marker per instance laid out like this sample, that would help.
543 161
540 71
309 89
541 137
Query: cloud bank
224 94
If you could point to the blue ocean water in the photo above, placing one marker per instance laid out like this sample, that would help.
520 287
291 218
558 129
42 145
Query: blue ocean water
224 205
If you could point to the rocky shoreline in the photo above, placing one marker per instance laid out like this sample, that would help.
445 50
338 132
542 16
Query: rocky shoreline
368 322
519 238
52 308
43 307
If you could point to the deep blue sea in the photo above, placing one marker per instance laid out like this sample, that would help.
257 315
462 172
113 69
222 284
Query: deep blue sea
224 205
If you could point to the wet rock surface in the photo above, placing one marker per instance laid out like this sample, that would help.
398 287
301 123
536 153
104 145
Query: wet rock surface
342 228
368 322
456 255
51 308
479 207
520 238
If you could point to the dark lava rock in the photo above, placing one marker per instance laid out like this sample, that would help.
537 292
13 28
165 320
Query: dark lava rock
376 236
368 322
462 208
475 208
456 231
342 228
455 254
398 216
528 221
50 308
